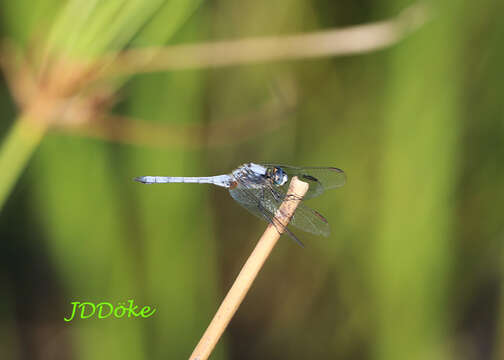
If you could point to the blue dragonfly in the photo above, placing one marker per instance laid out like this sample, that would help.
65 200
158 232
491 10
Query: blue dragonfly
261 188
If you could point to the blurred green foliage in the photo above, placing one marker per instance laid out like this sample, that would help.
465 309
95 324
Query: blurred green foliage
412 269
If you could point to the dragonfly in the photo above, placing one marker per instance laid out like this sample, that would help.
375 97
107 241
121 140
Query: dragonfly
261 189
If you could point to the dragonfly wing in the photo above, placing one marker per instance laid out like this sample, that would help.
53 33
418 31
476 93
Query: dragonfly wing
250 200
310 221
264 203
319 178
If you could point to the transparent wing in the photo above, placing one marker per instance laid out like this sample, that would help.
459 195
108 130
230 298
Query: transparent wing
311 221
251 200
319 178
265 201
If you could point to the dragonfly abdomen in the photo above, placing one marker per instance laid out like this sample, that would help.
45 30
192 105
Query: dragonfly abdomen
221 180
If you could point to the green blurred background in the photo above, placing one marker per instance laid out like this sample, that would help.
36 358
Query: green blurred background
412 269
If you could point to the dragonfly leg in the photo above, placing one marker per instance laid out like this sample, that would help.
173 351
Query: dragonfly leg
290 197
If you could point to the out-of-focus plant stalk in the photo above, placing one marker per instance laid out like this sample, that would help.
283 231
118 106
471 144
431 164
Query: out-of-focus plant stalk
413 252
17 148
353 40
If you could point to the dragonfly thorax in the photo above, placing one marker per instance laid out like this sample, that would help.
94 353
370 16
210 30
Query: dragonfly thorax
256 176
250 175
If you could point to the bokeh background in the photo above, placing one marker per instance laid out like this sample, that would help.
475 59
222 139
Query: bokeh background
413 267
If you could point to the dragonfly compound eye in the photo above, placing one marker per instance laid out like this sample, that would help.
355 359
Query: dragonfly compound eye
279 176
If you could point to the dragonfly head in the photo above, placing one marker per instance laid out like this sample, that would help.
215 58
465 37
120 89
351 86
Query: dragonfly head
278 176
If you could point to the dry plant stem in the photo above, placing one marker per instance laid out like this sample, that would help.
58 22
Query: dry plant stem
127 130
248 273
337 42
